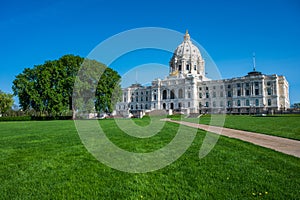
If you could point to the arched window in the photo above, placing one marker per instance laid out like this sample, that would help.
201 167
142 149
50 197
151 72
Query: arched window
206 104
221 104
269 102
247 102
179 68
228 103
172 105
165 94
179 105
172 95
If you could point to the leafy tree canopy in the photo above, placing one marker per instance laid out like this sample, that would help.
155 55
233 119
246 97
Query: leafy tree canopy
6 102
48 88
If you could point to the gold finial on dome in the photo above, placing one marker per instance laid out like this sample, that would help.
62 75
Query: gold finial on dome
187 35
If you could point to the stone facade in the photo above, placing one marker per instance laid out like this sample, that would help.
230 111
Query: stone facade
187 90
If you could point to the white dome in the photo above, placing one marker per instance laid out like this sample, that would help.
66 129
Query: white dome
187 49
187 59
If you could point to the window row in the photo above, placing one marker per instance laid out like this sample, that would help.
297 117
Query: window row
237 103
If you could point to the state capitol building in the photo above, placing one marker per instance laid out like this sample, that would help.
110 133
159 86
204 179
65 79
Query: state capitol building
187 90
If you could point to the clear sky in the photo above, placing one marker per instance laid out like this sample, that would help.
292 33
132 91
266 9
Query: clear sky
230 31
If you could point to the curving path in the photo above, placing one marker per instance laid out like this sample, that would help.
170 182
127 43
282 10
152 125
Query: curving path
284 145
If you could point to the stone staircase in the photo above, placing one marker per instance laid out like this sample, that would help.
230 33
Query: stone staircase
194 115
157 113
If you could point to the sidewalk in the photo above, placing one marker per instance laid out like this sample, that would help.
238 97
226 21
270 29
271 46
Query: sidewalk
284 145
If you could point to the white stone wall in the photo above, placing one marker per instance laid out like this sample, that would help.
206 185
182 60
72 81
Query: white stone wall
247 94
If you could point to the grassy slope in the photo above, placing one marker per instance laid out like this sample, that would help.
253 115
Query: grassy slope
46 160
287 126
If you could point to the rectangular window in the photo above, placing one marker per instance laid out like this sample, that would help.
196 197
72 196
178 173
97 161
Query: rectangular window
214 95
256 91
214 87
247 92
189 104
206 88
221 87
221 94
229 86
200 88
229 94
207 95
269 91
239 92
187 67
256 84
195 67
238 85
247 84
200 95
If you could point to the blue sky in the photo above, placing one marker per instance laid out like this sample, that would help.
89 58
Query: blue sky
230 31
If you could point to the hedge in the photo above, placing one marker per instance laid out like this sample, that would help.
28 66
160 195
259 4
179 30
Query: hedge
35 118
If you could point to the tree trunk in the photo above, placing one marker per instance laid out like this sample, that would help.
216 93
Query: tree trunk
73 114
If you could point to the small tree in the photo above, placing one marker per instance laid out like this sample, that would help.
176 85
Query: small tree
6 102
296 105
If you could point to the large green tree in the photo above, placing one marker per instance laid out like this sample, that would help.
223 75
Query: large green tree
6 102
49 88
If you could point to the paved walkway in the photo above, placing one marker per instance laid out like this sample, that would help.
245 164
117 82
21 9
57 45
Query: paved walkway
287 146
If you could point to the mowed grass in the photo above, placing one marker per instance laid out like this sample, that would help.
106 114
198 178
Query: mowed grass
46 160
287 126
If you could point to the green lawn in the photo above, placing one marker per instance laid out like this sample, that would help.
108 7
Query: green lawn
46 160
287 126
